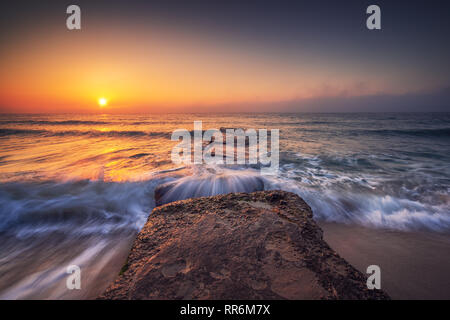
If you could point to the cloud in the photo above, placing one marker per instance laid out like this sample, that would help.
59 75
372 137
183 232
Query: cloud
436 101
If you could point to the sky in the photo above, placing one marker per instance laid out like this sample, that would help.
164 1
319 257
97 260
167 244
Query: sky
224 56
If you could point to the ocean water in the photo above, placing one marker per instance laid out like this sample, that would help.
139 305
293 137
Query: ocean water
76 189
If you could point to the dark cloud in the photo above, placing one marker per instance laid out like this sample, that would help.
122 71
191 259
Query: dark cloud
437 101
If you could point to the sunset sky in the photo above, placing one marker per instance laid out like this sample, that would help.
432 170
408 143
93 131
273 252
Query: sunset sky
191 56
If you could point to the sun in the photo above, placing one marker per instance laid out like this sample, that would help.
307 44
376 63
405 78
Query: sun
102 102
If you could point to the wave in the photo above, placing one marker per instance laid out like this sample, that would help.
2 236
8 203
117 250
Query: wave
209 181
55 123
76 207
333 197
348 189
47 226
353 200
436 132
339 130
11 132
92 223
76 133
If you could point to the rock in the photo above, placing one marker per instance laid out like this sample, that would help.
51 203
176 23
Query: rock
261 245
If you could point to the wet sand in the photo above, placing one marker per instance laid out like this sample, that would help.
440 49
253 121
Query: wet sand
414 265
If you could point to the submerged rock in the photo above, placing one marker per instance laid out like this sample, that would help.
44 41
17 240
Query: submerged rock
261 245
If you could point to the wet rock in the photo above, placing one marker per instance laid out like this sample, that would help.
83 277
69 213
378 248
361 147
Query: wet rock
261 245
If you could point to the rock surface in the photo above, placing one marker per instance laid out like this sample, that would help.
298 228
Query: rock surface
261 245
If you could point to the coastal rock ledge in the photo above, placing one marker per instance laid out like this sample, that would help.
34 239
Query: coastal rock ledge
261 245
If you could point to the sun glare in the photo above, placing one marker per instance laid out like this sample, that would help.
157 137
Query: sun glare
102 102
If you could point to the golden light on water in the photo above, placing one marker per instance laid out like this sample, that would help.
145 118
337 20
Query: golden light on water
102 102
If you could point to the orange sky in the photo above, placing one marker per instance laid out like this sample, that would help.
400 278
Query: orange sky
164 70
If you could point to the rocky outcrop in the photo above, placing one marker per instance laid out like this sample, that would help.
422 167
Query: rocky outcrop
261 245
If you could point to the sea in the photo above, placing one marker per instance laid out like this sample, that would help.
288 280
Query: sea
76 189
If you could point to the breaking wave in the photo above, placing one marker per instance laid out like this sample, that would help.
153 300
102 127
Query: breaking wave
435 132
77 208
376 211
209 181
55 123
332 198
